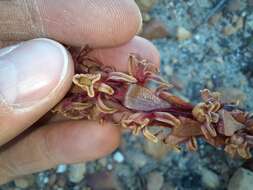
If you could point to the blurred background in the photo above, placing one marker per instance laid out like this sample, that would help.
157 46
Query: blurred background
203 44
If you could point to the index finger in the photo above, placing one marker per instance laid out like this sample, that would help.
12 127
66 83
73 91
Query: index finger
97 23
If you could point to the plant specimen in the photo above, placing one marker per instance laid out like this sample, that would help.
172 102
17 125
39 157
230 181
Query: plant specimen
142 101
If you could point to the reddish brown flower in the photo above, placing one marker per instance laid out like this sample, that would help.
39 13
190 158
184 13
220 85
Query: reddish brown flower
206 112
86 82
237 145
101 93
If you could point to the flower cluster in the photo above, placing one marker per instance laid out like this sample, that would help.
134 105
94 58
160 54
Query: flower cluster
128 99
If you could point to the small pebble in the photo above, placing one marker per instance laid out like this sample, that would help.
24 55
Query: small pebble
21 183
103 162
168 70
155 181
46 180
234 5
61 181
231 29
156 150
24 182
215 18
109 167
183 34
61 168
76 172
209 178
154 29
118 157
209 84
40 179
103 180
146 17
241 180
137 159
249 22
52 180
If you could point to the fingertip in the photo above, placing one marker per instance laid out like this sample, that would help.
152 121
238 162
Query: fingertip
150 52
118 56
83 140
34 76
96 23
108 138
66 142
31 70
128 22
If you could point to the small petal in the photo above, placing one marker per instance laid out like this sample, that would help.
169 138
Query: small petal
167 118
244 152
86 79
230 125
199 112
144 123
149 135
138 67
138 119
207 95
249 139
132 64
216 107
121 77
192 144
81 106
205 132
105 89
177 149
136 131
230 150
157 79
90 91
210 127
214 117
104 108
75 115
86 82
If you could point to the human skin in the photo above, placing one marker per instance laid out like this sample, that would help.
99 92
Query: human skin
36 74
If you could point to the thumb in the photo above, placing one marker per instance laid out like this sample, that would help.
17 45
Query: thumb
34 76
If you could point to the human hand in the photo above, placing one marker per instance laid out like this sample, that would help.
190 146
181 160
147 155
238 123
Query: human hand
36 74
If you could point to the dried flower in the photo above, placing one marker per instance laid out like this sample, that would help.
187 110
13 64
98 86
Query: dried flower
86 82
206 112
100 92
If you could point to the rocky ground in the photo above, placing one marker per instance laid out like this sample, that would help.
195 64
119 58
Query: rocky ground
203 44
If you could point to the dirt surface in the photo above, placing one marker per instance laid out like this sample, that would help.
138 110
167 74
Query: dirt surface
209 44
